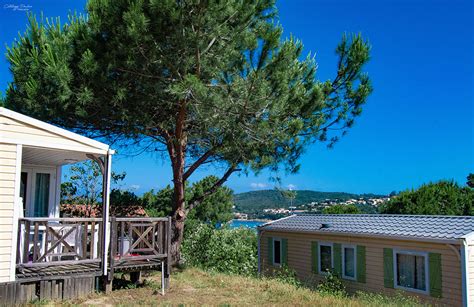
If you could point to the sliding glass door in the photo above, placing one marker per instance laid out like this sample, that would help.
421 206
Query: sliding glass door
41 194
38 191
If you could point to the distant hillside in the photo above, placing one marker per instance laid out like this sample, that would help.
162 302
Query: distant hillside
258 200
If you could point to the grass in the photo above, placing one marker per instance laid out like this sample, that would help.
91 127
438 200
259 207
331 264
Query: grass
193 287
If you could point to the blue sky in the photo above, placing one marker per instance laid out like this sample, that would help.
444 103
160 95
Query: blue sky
417 126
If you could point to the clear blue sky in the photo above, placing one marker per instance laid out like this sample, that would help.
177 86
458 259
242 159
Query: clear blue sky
417 125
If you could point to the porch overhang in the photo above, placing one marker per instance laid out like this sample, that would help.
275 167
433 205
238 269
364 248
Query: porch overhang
24 130
55 157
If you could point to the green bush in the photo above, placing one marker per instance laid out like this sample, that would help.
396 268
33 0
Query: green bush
195 243
224 250
287 275
332 285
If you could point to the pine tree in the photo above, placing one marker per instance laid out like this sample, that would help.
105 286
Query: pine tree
199 82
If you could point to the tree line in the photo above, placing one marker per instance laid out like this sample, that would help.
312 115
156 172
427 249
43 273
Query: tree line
444 197
436 198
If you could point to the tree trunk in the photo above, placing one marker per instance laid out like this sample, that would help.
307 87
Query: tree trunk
177 222
179 212
177 231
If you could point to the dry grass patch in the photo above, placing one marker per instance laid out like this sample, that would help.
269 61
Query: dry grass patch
193 287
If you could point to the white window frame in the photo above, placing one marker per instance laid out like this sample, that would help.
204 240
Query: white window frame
354 247
395 270
273 251
331 245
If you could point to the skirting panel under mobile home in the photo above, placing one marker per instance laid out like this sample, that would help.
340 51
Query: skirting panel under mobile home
56 289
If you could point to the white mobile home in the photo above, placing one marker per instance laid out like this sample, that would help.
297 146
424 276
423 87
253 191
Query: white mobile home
34 240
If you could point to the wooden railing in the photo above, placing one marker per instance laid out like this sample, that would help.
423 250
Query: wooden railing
62 244
135 240
59 241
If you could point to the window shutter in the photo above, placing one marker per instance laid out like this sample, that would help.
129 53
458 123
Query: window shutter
337 260
360 268
270 250
434 261
388 267
284 251
314 257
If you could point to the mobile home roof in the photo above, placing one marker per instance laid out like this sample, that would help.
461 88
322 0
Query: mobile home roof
419 227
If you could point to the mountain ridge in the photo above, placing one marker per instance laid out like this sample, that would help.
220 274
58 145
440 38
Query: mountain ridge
263 199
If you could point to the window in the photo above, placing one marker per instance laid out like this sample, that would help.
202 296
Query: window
411 270
277 251
349 262
325 258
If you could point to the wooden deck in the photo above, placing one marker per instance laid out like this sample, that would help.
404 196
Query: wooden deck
28 274
52 248
64 258
138 265
53 272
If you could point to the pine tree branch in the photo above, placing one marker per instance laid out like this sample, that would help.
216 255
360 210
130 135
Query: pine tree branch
198 200
196 164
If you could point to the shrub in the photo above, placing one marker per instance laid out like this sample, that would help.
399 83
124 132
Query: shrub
222 250
332 285
195 244
287 275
